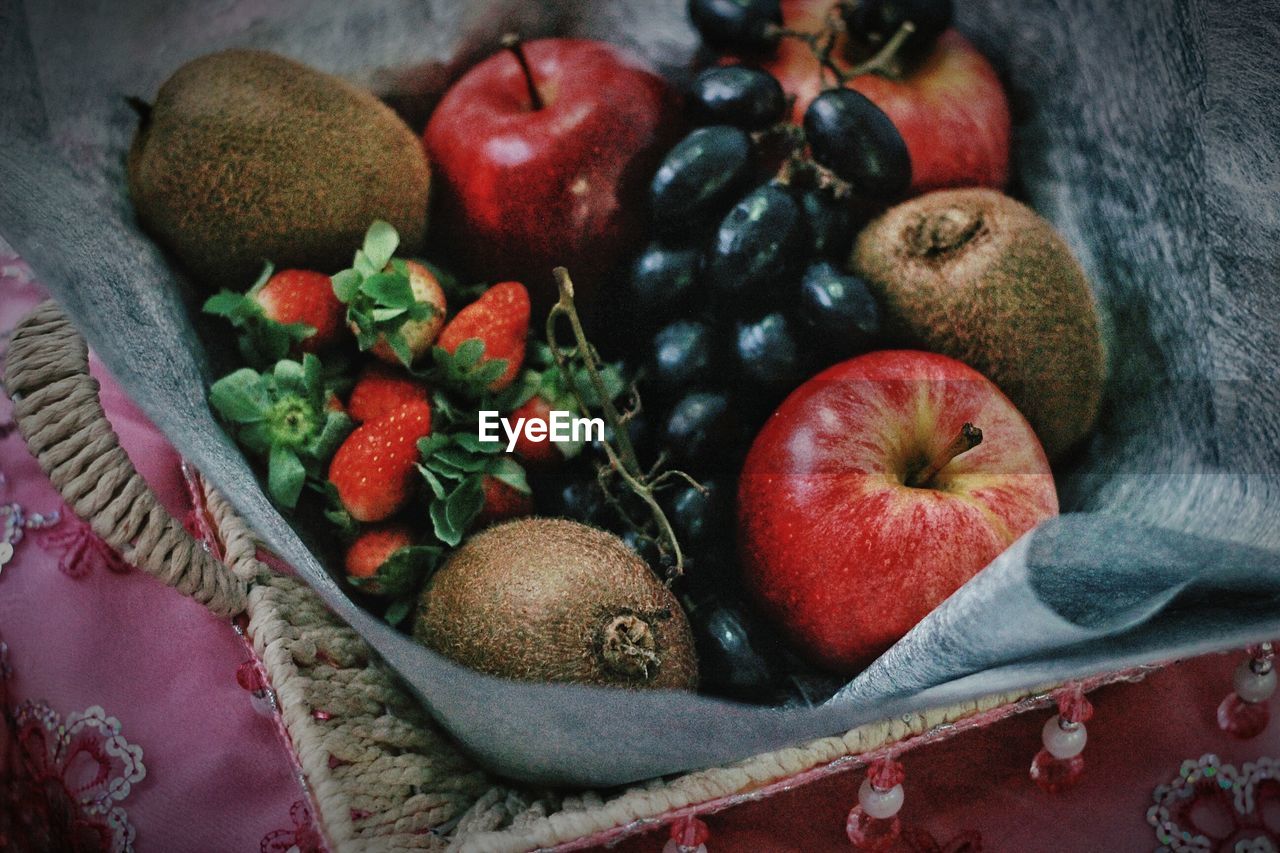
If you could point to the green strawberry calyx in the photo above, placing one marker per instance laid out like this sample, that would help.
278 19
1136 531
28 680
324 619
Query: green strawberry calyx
261 340
399 577
378 294
465 370
282 416
454 465
291 421
561 387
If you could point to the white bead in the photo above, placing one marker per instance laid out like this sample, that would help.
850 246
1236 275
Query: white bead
674 846
879 804
1063 743
1254 686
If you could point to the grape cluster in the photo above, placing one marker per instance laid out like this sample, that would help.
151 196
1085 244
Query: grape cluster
742 294
754 27
744 284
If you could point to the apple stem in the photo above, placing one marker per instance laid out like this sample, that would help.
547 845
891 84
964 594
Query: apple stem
969 438
513 43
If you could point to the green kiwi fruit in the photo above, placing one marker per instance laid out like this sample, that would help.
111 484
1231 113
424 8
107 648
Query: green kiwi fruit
247 156
547 599
977 276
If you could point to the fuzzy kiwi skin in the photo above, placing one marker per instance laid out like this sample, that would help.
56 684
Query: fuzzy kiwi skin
530 599
247 156
977 276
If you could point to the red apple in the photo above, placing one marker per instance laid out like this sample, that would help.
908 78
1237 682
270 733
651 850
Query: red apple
861 505
524 186
950 108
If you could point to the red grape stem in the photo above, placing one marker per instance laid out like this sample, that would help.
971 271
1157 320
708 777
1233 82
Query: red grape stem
969 438
513 43
622 457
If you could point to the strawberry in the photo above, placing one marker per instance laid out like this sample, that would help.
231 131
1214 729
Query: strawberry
374 468
381 390
395 308
383 561
499 319
303 296
373 547
418 334
535 452
284 314
502 501
285 417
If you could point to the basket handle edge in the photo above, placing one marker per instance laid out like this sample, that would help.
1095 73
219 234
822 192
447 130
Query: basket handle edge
59 414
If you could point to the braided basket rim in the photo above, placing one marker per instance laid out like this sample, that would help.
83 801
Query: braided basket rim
589 817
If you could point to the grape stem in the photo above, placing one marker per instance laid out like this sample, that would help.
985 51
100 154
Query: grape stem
622 458
823 45
798 165
885 60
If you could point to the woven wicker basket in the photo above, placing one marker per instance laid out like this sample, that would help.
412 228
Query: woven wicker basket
382 775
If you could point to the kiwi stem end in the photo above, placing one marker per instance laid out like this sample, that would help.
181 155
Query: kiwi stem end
141 107
628 647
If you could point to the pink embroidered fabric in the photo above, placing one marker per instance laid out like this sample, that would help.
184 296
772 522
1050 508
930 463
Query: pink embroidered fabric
122 725
130 718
